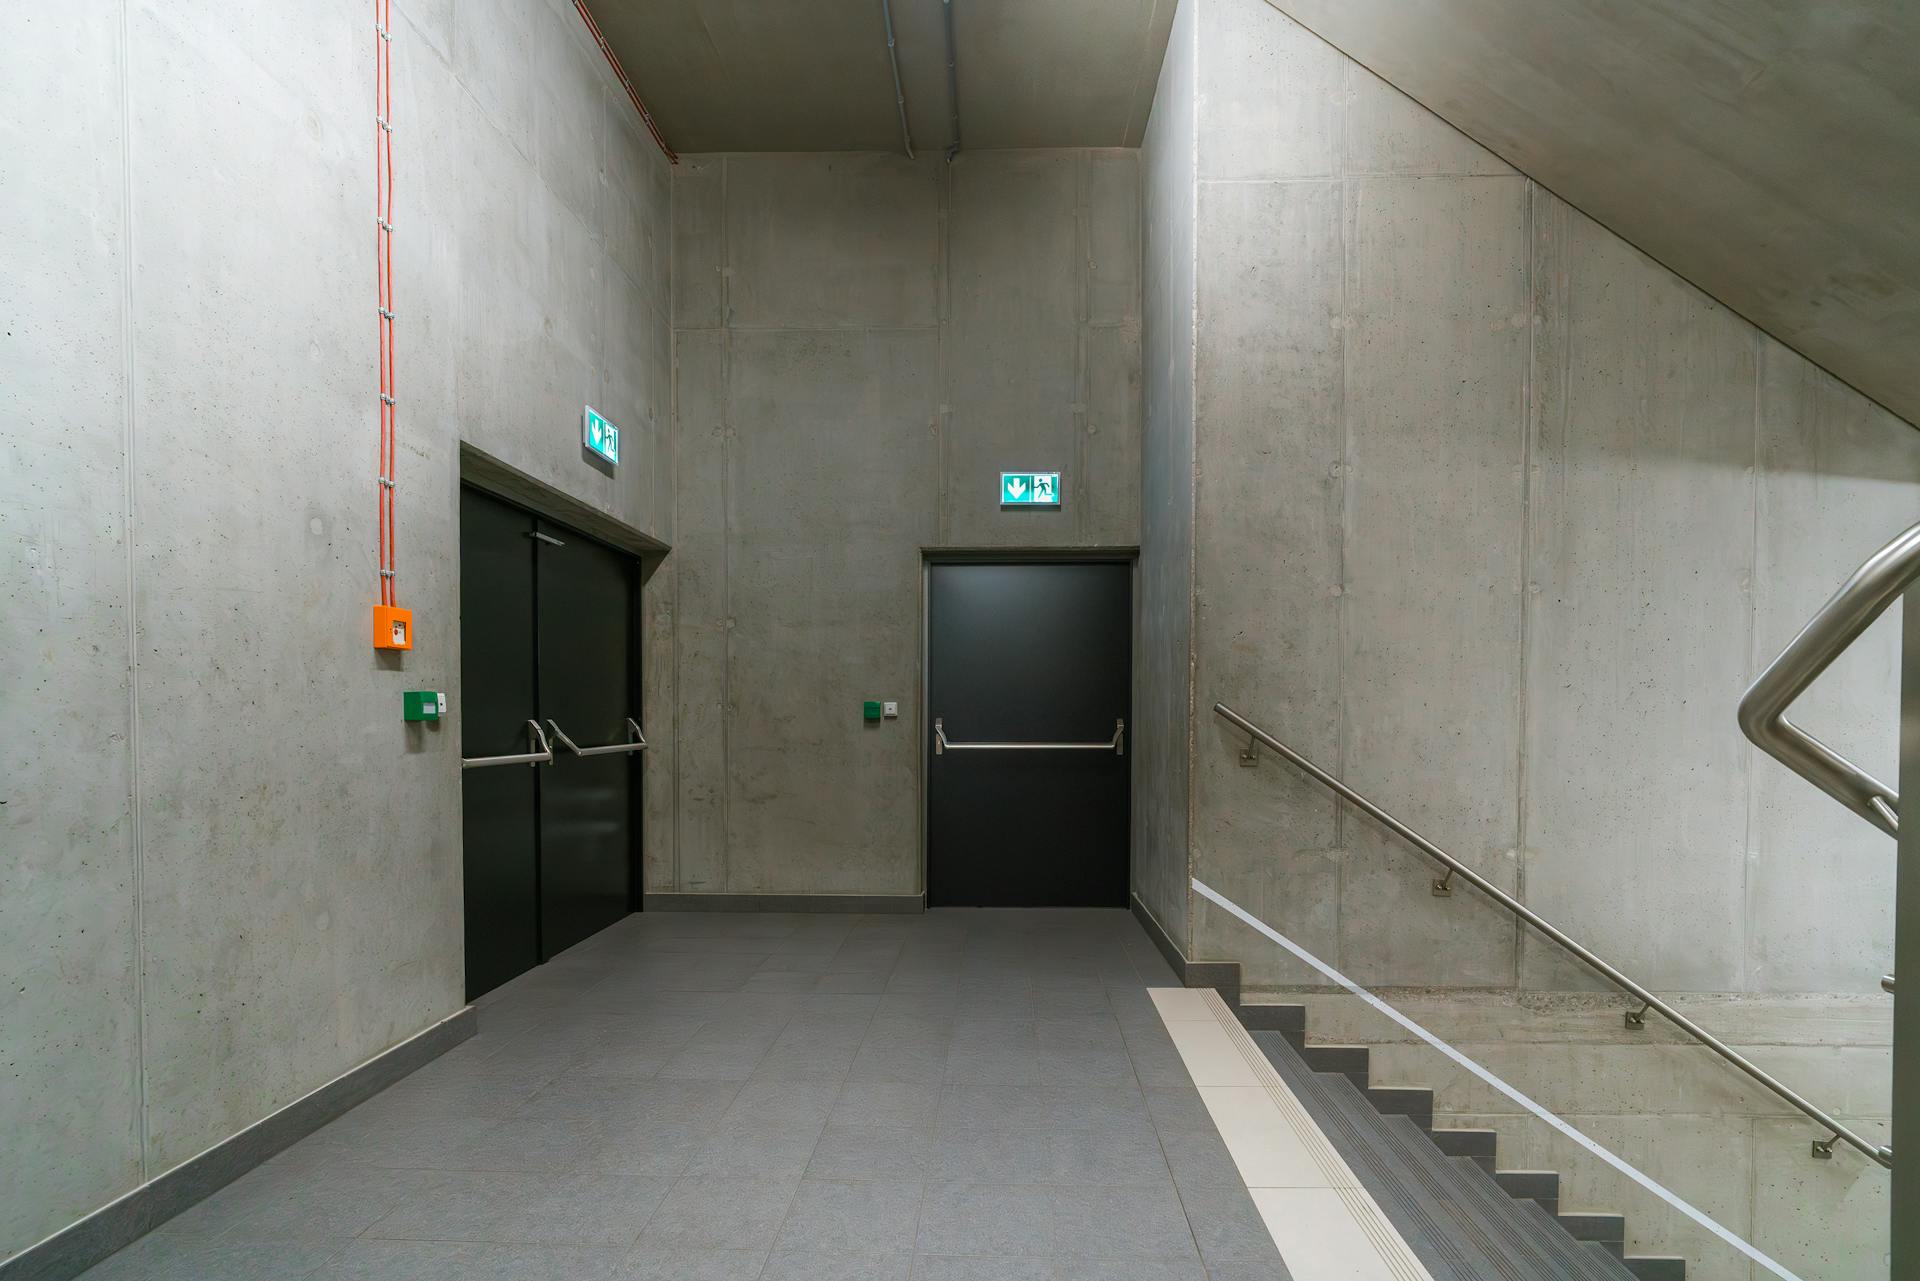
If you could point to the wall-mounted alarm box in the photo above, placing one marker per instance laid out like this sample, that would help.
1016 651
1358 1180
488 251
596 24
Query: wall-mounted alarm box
392 627
870 710
424 704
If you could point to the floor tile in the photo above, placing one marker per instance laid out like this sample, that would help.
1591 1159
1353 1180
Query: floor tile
535 1209
164 1257
872 1153
900 1103
1268 1150
718 1213
1229 1228
368 1260
782 1102
855 1218
984 1219
1317 1234
299 1200
755 1150
650 1261
837 1267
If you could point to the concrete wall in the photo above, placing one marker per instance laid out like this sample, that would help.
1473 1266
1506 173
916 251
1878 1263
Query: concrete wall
862 343
1163 659
231 872
1497 518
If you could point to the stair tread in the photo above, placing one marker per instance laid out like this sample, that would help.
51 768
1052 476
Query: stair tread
1455 1214
1456 1229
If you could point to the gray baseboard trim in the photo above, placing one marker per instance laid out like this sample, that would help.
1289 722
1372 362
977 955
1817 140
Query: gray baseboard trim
119 1223
1175 958
674 902
1221 975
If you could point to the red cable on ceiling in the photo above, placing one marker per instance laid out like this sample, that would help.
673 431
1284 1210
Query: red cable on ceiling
613 60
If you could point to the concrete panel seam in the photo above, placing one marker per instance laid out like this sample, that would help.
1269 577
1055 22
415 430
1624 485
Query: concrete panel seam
1745 926
1188 744
128 430
1083 307
1529 395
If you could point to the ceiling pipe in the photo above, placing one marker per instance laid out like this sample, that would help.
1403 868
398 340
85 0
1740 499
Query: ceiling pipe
953 81
899 94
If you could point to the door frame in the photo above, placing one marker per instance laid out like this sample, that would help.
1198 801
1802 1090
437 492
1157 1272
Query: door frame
931 556
643 554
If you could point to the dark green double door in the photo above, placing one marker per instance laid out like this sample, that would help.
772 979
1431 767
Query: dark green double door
548 634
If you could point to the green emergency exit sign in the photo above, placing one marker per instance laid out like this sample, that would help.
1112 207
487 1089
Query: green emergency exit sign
1029 489
600 436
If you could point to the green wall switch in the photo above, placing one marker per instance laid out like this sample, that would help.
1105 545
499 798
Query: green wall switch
870 710
424 704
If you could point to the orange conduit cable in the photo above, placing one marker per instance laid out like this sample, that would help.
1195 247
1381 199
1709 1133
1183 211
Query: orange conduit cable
613 60
383 219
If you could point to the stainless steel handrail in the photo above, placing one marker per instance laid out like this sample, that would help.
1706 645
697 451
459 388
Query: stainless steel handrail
1763 710
1117 744
542 757
1883 1155
637 743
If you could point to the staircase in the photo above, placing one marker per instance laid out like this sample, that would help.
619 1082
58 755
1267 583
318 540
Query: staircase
1467 1219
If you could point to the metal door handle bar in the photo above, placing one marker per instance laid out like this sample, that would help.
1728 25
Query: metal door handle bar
1883 1155
637 742
542 757
1117 744
1763 710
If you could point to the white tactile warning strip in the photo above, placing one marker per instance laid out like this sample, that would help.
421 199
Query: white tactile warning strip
1325 1224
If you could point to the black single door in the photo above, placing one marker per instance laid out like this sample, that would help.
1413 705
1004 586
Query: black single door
1028 653
587 653
499 803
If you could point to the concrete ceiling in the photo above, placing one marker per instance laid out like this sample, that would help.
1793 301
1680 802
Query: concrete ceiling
812 75
1767 150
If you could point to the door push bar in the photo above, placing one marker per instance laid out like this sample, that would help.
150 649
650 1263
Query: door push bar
535 738
636 741
1117 744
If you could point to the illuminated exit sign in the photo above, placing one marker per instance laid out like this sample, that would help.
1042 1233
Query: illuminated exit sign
1029 489
600 436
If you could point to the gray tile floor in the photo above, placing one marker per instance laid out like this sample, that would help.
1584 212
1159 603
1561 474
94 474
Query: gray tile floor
959 1096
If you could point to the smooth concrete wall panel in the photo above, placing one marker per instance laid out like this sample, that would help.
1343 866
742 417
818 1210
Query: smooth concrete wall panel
1163 654
1642 529
1837 479
822 591
1436 341
1109 500
701 617
699 242
1269 95
1269 386
288 885
69 1017
1382 131
1112 196
834 240
1497 519
660 766
1015 255
862 344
